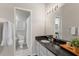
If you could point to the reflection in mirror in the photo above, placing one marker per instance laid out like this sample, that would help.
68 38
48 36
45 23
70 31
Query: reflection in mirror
58 27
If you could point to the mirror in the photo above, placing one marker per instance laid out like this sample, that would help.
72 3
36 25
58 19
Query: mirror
54 20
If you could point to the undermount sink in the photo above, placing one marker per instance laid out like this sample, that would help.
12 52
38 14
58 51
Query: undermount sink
45 41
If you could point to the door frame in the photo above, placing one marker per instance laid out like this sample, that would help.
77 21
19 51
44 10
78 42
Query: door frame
24 9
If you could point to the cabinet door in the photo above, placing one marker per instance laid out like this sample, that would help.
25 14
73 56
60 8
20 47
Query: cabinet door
37 48
42 50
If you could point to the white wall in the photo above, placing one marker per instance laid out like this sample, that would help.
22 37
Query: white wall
50 15
70 18
38 18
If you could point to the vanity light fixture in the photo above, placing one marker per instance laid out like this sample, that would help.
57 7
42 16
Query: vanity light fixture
54 8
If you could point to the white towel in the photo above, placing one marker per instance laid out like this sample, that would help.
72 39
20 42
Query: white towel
78 31
9 41
7 34
73 30
4 36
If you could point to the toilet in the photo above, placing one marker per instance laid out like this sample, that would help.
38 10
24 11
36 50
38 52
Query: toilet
21 41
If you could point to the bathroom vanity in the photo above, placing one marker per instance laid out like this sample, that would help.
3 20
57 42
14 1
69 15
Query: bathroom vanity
50 49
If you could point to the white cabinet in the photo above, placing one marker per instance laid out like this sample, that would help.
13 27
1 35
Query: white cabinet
37 48
42 51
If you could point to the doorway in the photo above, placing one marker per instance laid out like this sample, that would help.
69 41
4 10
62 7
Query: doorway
22 40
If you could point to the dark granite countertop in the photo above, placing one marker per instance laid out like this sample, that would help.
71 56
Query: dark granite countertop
54 47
